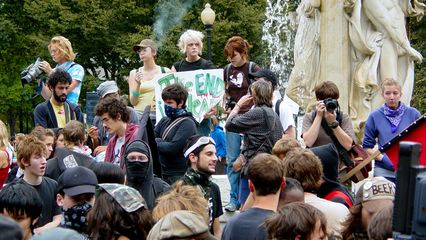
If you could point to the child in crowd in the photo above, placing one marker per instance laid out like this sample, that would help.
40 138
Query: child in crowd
32 159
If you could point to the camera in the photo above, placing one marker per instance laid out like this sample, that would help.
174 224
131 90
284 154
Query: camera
31 72
230 103
331 104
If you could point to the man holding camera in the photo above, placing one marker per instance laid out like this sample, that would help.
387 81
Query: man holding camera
327 115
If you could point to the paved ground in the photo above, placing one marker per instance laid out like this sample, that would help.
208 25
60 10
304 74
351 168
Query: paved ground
223 183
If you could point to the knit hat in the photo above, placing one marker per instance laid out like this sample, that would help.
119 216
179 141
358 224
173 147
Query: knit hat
180 224
146 43
128 198
374 192
106 87
77 180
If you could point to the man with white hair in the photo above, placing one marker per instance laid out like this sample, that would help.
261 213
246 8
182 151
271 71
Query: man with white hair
191 44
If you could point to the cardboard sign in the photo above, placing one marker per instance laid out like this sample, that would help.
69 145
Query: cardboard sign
205 87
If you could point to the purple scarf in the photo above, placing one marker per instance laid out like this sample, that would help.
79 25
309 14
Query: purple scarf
394 116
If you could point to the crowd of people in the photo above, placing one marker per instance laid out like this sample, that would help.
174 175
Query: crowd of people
124 178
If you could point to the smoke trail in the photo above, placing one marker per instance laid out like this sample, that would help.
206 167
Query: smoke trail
169 13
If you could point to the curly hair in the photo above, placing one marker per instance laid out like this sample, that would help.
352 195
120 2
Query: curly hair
181 197
64 45
176 92
58 75
108 220
304 166
114 107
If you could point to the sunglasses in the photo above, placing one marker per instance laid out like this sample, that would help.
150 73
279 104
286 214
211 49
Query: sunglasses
200 142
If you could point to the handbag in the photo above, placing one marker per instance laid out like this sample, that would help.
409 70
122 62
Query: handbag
239 163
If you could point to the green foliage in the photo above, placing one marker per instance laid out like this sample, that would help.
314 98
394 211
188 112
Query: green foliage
417 36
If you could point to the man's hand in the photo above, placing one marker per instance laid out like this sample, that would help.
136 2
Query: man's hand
330 117
210 113
99 149
93 132
244 100
320 108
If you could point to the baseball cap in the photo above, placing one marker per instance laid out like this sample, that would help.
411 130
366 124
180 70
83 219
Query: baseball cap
374 193
180 224
128 198
77 180
267 74
106 87
146 43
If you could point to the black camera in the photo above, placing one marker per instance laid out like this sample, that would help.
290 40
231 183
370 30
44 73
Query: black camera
331 104
230 103
32 72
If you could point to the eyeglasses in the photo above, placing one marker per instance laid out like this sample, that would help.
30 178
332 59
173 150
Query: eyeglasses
200 142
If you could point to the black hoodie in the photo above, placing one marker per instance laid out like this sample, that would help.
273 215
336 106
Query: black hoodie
140 174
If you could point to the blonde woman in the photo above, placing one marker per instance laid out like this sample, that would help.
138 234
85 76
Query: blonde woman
4 154
61 51
191 44
141 84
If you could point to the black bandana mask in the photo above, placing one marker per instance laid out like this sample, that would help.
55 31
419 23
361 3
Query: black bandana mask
75 217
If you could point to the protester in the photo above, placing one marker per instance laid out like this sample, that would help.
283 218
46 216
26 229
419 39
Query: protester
32 159
286 116
56 111
115 118
5 157
218 136
76 191
304 166
293 192
119 212
139 171
62 53
385 123
284 145
98 135
380 226
191 44
297 221
266 191
372 195
201 154
141 80
261 127
10 229
236 84
172 131
22 203
182 197
47 136
180 224
108 173
73 154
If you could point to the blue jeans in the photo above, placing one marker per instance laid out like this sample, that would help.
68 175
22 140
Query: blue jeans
233 144
244 190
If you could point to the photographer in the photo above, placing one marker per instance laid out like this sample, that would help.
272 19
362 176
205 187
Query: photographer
62 53
327 115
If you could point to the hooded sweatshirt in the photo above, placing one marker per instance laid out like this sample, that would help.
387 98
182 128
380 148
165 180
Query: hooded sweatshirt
140 174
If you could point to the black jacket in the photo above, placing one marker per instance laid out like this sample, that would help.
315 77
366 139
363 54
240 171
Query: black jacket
45 116
170 149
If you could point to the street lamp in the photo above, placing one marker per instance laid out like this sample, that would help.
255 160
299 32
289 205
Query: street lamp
207 17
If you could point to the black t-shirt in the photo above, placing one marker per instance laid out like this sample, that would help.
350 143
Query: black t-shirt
47 191
215 201
247 225
201 63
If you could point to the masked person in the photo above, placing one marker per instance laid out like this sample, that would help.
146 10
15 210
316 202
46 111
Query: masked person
172 131
139 171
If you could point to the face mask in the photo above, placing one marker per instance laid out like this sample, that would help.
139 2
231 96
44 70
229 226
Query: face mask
75 217
173 112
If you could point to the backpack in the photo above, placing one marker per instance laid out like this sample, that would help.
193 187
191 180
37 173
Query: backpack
228 69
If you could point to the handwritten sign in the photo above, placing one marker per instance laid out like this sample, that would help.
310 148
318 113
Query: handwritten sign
205 88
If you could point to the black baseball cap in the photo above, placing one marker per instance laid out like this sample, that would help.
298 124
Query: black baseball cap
77 180
267 74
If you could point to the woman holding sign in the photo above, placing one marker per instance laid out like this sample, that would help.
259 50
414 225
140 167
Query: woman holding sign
141 84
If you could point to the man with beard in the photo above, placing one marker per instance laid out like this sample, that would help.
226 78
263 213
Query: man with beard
201 154
56 112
